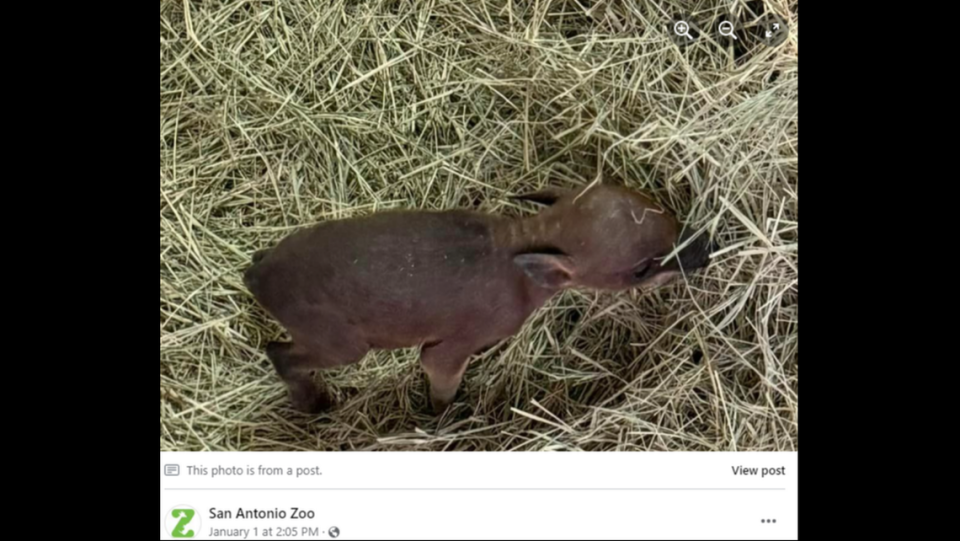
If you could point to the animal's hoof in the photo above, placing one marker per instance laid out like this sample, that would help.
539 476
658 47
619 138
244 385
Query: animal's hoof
440 406
311 403
313 407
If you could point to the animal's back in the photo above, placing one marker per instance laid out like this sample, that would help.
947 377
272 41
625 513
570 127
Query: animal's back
400 278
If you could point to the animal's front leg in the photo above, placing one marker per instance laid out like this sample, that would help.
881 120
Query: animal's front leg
445 364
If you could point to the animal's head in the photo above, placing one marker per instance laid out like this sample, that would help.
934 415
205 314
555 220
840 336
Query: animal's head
608 238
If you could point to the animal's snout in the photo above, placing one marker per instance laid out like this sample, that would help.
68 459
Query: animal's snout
697 255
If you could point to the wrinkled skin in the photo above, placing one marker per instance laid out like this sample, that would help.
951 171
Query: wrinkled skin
453 283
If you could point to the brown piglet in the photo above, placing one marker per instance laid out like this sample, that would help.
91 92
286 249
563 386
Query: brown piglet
453 283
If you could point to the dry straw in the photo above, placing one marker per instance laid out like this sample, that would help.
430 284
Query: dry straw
279 114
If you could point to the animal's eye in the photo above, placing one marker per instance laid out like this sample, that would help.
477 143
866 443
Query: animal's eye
642 272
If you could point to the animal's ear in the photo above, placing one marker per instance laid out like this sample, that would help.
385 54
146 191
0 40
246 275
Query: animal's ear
547 270
547 197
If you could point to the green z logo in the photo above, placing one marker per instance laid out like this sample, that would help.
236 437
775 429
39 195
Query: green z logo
185 516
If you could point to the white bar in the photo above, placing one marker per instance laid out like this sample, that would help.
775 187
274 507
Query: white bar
426 496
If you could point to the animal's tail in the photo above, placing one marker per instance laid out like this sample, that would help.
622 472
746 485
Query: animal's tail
258 257
251 277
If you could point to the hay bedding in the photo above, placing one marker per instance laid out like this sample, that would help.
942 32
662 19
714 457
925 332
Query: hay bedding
278 115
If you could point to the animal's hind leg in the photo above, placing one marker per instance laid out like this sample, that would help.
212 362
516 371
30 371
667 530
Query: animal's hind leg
298 367
293 363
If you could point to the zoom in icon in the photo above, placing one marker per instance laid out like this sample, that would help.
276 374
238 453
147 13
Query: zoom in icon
683 31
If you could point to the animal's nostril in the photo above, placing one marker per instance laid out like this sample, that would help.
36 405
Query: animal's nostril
697 255
686 234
